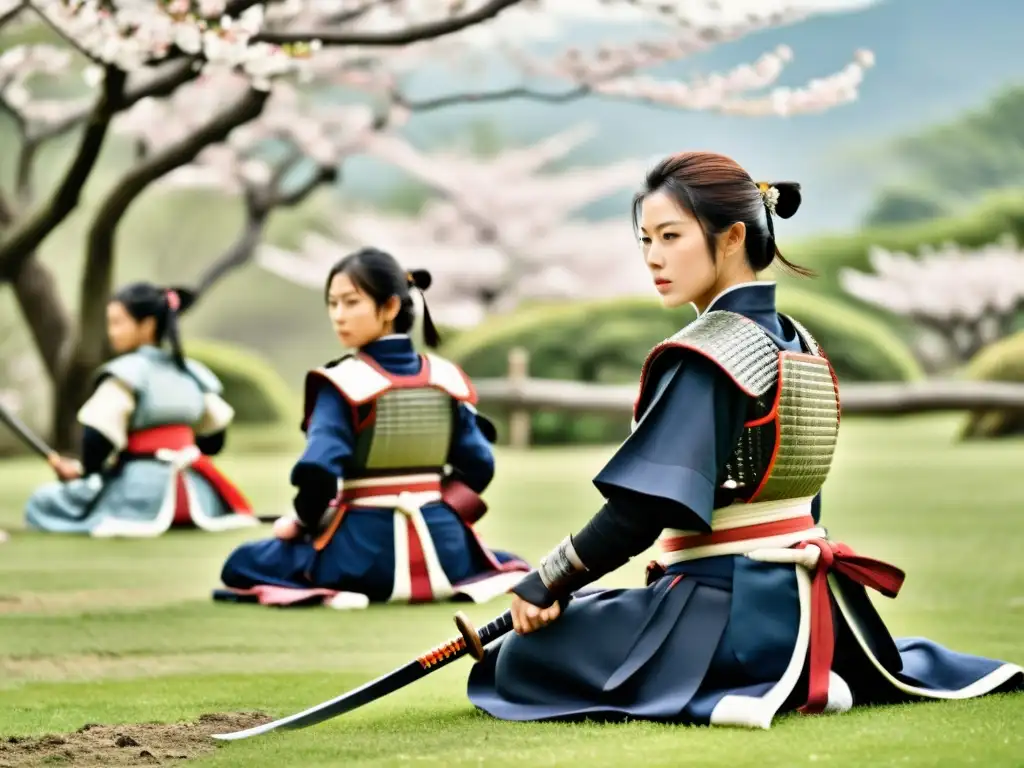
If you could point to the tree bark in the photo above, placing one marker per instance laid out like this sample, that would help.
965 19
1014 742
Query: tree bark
44 312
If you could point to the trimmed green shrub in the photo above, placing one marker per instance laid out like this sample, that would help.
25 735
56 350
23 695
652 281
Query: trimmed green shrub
252 387
606 341
999 214
1000 361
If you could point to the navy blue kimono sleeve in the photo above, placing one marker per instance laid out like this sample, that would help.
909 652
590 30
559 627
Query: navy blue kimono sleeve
669 465
470 454
329 443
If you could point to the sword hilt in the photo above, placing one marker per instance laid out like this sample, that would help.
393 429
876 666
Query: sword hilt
476 640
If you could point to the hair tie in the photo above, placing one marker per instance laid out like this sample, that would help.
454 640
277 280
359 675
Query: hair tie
173 300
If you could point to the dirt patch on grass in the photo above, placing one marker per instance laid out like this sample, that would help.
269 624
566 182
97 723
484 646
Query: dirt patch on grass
124 745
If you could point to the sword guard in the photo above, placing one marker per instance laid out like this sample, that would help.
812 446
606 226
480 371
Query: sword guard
470 635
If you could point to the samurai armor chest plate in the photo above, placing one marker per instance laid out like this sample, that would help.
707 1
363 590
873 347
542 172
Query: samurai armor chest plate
787 444
401 422
407 428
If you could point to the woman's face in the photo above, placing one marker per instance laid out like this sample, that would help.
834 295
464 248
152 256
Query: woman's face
356 319
676 252
125 332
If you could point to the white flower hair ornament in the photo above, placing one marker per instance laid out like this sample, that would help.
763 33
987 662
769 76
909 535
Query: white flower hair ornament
770 195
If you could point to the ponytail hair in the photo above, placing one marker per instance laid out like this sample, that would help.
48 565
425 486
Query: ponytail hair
164 305
420 279
379 275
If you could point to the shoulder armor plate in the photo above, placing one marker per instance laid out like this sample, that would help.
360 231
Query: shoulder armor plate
131 369
446 375
735 344
806 337
359 381
206 378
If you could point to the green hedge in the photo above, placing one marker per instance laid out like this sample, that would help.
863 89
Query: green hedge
999 214
606 341
254 389
1001 361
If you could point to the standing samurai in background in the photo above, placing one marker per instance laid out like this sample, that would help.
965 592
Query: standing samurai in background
148 428
398 433
752 609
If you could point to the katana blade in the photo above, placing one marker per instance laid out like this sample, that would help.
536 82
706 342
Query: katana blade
27 435
470 643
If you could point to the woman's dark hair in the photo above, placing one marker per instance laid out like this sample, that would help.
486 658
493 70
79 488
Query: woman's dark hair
718 192
142 300
379 275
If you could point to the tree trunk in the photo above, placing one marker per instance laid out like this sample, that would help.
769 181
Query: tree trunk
89 348
44 312
70 391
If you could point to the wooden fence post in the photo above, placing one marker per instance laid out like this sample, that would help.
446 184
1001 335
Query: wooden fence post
519 418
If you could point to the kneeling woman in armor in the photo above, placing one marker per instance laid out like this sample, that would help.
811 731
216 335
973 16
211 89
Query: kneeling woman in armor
147 431
396 457
752 609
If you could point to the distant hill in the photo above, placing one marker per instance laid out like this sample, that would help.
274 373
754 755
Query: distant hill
955 163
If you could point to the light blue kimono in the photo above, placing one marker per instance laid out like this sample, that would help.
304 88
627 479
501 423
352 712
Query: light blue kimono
134 489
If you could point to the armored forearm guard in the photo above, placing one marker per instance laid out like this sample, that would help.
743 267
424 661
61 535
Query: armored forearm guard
561 572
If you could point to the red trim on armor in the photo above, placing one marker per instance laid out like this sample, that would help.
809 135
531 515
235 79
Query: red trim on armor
175 437
654 353
729 535
878 575
774 412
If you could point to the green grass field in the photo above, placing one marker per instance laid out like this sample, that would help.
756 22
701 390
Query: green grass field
123 632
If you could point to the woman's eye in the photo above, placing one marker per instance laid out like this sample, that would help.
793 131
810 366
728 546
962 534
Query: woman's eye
670 236
645 240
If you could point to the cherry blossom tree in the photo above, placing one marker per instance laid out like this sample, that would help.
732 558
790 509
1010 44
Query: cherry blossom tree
488 245
246 70
963 298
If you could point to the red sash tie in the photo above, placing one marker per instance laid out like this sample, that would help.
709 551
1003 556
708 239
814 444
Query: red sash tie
175 437
880 576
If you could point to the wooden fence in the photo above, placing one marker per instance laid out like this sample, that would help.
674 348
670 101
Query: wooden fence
520 395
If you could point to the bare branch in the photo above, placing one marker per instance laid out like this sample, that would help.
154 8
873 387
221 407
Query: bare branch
164 83
259 206
27 237
323 175
7 213
9 16
99 260
399 37
520 92
238 254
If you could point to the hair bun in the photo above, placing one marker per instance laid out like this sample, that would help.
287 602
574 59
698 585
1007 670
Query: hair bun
789 198
186 297
420 278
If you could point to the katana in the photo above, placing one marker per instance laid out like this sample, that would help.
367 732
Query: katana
27 435
471 642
